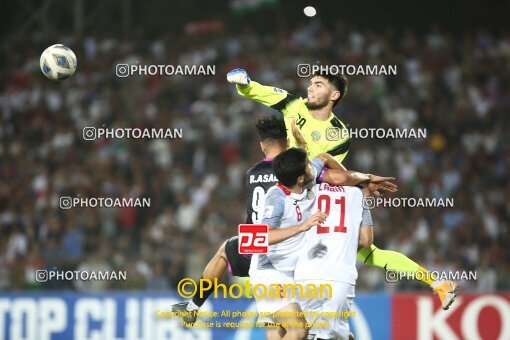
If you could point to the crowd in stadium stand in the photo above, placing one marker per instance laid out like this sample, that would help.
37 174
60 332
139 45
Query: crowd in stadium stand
455 87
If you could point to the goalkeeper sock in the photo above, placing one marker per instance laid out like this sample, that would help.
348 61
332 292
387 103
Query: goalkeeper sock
394 261
425 277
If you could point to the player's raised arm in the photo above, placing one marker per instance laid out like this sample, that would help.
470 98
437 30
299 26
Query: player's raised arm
352 178
330 162
273 97
335 173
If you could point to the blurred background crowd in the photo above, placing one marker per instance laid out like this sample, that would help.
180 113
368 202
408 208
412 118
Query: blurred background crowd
457 86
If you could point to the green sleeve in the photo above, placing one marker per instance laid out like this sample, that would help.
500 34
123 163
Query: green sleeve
273 97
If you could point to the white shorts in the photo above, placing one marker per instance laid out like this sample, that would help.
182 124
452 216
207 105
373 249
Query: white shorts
329 315
267 280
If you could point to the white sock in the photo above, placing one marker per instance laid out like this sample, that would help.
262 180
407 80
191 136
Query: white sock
435 284
191 306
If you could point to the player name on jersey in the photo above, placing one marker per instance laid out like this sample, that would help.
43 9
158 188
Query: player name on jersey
266 178
331 188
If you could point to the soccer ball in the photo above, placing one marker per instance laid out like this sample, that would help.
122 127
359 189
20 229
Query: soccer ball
58 62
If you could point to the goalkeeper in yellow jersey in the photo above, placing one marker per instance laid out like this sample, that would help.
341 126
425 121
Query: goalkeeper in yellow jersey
320 131
313 116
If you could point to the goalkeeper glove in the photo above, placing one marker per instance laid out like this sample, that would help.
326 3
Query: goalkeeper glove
238 76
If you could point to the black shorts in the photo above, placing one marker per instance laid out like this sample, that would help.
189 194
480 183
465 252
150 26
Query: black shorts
238 264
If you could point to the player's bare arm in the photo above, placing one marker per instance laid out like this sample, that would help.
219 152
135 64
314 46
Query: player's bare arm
366 236
330 162
353 178
338 175
300 140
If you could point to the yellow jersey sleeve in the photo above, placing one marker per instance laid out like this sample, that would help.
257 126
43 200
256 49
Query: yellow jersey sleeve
276 98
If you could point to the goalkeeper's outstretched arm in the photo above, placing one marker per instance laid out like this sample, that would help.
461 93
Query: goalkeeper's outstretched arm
273 97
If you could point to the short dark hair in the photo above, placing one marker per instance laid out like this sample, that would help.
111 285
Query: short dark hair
339 81
289 165
271 128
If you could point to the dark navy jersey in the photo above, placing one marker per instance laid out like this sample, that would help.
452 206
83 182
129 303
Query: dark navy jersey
258 181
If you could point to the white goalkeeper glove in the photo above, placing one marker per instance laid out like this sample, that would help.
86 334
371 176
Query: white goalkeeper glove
238 76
